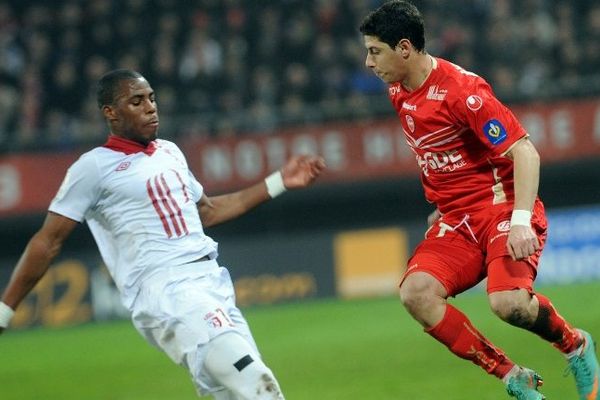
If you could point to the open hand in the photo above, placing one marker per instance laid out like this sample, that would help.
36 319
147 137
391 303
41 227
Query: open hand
302 170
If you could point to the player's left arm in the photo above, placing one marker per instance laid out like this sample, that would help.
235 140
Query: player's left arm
298 172
498 129
522 240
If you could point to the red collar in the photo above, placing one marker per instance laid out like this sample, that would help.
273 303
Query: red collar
127 146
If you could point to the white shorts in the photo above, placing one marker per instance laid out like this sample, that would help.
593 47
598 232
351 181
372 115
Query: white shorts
180 309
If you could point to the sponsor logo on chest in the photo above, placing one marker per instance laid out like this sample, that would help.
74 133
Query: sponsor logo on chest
443 161
435 93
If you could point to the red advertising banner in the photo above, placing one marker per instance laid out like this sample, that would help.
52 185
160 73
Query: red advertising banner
354 151
28 182
357 151
370 150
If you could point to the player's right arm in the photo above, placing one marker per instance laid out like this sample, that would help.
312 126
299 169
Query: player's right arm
42 248
76 195
299 171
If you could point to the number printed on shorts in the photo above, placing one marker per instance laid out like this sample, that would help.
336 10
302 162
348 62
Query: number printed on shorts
218 319
166 206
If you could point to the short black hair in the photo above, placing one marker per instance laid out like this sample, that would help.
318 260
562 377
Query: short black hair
109 83
394 21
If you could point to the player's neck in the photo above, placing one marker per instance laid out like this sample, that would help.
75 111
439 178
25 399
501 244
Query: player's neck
421 70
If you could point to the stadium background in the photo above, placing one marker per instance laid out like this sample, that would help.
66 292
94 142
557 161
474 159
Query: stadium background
240 85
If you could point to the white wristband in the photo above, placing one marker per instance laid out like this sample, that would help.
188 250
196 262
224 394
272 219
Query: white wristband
275 184
6 314
521 217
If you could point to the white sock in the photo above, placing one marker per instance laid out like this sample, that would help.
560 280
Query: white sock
514 371
577 351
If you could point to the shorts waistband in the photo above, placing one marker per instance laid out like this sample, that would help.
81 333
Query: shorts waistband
196 268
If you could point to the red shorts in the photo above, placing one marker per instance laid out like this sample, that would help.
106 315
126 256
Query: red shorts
460 252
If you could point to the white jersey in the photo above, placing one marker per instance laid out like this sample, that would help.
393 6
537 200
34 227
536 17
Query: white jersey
140 205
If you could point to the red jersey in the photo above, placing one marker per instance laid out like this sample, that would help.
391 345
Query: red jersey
459 132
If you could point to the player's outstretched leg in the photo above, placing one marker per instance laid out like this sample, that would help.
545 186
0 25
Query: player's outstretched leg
425 299
577 345
536 313
465 341
583 363
523 384
232 362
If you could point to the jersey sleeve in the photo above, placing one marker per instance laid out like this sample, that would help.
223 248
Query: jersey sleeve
79 190
493 123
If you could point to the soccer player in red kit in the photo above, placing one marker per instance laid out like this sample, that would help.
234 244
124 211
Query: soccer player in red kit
480 170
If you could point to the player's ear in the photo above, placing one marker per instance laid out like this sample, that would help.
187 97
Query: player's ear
404 47
108 112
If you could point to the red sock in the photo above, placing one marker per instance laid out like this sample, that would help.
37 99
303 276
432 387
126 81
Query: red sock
457 333
550 326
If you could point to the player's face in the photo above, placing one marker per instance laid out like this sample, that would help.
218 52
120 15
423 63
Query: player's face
135 115
387 63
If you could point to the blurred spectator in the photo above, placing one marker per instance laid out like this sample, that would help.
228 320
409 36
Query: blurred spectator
226 67
9 101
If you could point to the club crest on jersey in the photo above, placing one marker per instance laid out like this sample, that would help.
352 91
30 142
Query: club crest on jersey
494 131
411 123
474 103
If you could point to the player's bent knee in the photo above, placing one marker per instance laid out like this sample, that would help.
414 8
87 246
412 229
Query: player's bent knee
512 306
232 362
420 291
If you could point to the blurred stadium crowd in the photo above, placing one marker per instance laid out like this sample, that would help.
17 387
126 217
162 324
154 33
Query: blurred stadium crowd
221 67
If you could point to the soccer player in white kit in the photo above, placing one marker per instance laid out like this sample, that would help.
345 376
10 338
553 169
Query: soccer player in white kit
146 212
